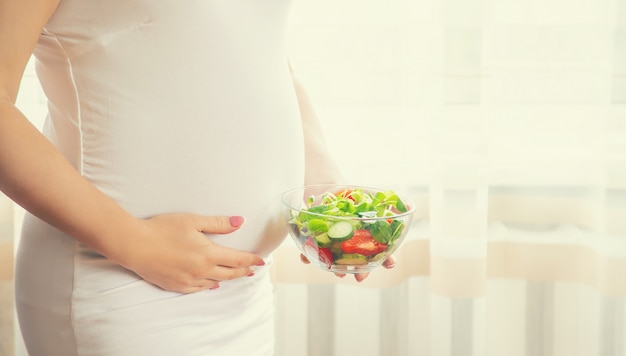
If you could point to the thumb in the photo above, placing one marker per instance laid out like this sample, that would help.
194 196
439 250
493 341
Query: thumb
219 224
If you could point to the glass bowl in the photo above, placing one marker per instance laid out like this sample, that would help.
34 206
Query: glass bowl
346 228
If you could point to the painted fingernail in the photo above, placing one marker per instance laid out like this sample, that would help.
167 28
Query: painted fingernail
262 263
214 288
236 221
251 274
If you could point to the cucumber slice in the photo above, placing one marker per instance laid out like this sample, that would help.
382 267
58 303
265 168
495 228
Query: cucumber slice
322 240
351 259
340 231
379 256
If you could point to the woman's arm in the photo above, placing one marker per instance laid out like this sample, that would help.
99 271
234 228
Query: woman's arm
320 167
170 251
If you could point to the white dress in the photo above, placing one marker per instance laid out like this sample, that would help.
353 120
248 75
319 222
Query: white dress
166 106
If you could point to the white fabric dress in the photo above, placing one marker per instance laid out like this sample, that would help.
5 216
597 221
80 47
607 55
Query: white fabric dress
166 106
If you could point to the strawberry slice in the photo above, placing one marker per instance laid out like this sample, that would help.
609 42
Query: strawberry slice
363 243
324 254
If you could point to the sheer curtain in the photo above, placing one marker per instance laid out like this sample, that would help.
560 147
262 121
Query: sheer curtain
505 122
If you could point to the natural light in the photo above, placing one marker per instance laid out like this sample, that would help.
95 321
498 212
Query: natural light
505 122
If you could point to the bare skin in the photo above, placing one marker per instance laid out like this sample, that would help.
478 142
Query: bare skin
317 155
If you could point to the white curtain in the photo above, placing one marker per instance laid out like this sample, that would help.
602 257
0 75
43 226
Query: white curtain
505 122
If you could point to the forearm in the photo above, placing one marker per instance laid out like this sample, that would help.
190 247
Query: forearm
320 167
37 177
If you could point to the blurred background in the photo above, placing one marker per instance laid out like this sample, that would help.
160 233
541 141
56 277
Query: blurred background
505 122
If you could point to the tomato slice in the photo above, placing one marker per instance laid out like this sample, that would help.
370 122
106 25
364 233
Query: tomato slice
363 243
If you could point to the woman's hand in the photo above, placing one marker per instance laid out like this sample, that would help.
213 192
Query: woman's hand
390 262
175 254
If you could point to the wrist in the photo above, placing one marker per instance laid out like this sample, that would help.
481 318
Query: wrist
120 241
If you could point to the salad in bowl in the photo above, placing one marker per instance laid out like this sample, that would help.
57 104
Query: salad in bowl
346 229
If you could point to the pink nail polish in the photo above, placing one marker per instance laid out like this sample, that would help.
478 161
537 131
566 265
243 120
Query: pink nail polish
236 221
214 288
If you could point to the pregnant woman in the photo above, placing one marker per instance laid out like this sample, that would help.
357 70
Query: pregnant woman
152 195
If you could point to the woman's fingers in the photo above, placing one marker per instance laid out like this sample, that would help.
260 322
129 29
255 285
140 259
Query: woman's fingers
220 273
218 224
360 276
390 262
229 257
175 254
203 286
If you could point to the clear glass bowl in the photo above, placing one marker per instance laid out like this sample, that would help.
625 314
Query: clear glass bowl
338 228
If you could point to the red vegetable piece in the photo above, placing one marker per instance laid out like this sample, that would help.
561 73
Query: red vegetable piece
346 193
363 243
324 254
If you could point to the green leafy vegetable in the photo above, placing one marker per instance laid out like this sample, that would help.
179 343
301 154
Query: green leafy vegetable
317 226
381 231
375 216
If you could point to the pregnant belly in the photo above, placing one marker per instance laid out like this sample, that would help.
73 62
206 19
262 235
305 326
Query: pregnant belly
209 158
247 190
263 231
247 182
